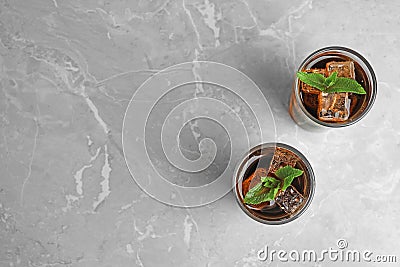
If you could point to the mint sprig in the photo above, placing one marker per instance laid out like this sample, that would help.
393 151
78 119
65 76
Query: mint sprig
346 85
269 187
259 193
287 174
331 84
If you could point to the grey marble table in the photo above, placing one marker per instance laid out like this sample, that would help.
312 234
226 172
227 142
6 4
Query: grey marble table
67 72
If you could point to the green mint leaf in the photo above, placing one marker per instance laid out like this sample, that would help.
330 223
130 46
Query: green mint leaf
272 193
287 171
343 84
332 84
287 174
270 182
259 194
315 80
253 192
268 188
331 80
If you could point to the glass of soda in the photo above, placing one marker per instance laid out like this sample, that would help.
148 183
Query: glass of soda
263 161
312 109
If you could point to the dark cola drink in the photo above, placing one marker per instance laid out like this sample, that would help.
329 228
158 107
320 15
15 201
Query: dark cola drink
265 160
314 109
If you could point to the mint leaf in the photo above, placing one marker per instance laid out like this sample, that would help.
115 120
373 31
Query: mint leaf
288 171
346 85
272 193
259 194
270 182
313 79
253 192
268 188
332 84
331 80
287 174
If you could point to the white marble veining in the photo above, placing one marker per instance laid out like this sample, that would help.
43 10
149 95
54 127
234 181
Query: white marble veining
67 72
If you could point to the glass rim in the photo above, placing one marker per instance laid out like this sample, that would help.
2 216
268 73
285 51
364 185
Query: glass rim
311 178
369 70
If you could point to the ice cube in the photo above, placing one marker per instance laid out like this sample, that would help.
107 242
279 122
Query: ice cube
289 200
310 94
334 107
344 69
281 158
305 88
